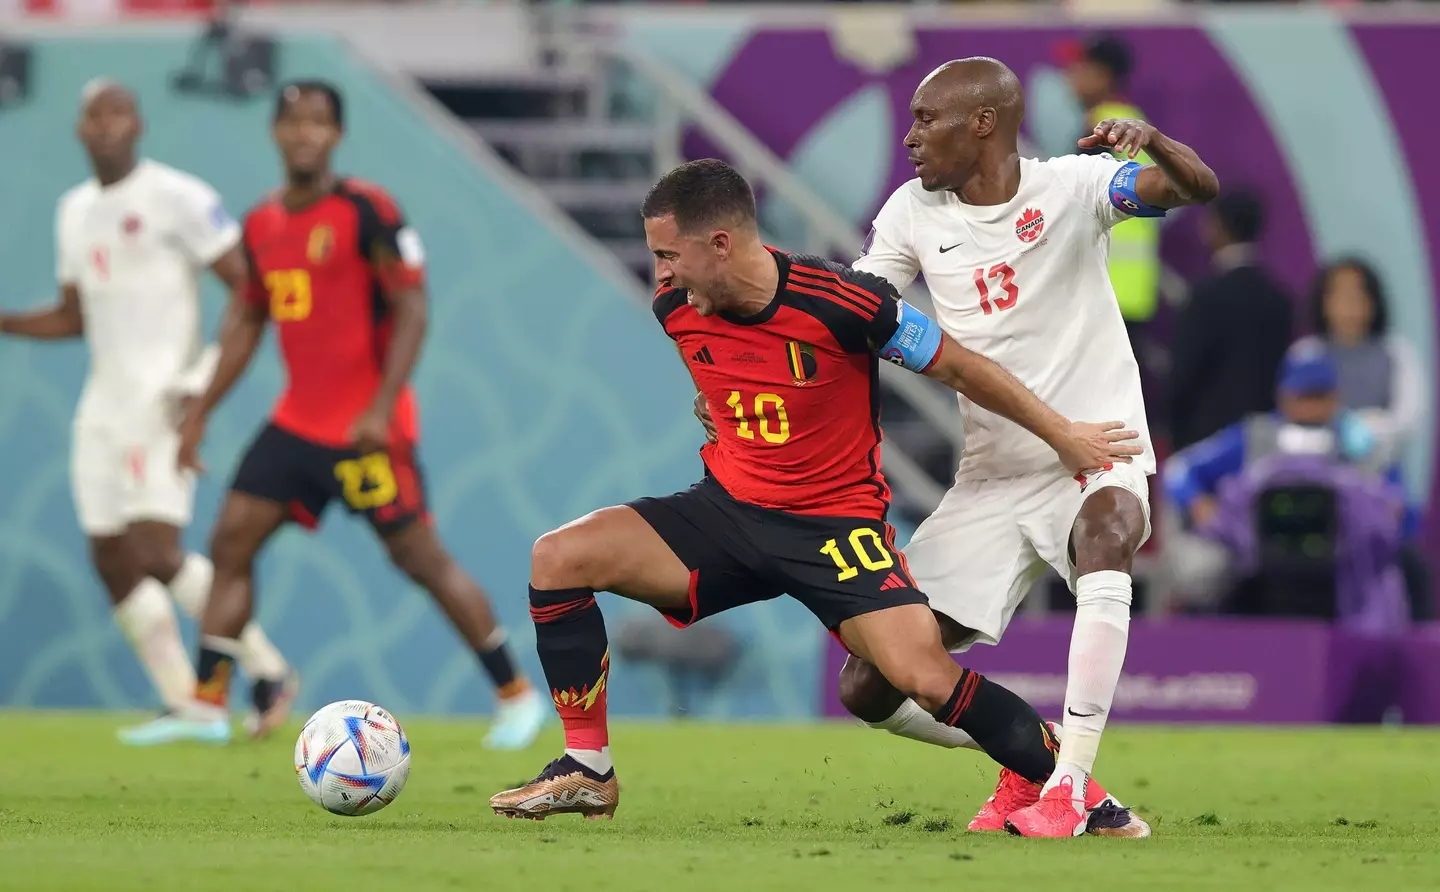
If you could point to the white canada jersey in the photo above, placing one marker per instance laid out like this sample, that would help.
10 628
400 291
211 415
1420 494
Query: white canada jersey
136 250
1027 285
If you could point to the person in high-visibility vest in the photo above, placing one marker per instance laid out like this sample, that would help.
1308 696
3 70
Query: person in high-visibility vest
1098 70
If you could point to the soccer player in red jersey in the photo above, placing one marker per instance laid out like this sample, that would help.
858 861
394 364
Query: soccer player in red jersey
785 350
341 276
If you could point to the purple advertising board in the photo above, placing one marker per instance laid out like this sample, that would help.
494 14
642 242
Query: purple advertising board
1222 670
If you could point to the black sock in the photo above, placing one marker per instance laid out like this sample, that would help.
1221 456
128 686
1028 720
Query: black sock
1009 730
500 666
213 672
575 654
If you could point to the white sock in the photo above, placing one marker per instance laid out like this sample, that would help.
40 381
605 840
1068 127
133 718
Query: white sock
191 589
191 586
149 622
912 721
1097 654
597 761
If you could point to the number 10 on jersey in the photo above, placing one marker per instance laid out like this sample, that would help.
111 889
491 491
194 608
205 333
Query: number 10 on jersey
769 414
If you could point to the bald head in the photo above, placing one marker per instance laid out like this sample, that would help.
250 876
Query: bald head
967 120
103 88
966 86
109 127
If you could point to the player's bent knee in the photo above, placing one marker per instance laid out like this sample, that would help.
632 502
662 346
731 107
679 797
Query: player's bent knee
231 550
160 559
929 686
865 693
1102 544
567 558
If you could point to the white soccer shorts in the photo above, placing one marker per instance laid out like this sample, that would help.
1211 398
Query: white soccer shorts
118 479
989 541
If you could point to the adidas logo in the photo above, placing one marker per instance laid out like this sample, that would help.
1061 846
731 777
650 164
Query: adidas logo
703 356
893 581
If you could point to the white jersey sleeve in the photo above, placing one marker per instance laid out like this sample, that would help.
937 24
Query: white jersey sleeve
68 262
889 251
1099 182
203 228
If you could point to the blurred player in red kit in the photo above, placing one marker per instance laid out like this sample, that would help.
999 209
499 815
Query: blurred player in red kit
336 269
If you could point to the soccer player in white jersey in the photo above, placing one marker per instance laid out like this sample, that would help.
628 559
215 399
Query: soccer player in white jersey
1014 252
131 241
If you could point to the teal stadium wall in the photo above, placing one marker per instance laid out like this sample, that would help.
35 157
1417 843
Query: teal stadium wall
546 391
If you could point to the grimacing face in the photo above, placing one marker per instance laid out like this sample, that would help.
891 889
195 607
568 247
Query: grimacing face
694 260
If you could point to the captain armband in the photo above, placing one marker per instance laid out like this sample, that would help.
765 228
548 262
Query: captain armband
1123 195
916 342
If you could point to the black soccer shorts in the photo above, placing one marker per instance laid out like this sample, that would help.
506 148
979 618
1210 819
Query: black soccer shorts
740 553
387 487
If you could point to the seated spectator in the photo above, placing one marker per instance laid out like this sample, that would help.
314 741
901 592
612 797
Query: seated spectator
1381 382
1295 497
1309 421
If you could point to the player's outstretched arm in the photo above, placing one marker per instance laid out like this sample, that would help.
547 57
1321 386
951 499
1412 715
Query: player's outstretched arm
911 339
64 320
1081 446
1178 176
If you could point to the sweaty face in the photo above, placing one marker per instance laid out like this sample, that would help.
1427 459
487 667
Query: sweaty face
306 132
940 144
683 261
109 126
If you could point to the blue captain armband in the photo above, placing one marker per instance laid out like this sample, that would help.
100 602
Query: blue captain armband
916 341
1123 195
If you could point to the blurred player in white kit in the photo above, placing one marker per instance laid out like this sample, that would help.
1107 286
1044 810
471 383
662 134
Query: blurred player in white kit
131 242
1014 252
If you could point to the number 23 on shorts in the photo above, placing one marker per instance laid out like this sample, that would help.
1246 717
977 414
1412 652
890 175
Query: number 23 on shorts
861 541
368 481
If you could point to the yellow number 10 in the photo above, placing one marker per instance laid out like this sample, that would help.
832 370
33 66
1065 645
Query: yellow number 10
857 544
763 401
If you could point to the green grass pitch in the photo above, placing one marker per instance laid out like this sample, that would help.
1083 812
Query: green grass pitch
827 807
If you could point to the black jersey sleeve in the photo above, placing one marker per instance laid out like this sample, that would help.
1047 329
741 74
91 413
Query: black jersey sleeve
667 301
862 310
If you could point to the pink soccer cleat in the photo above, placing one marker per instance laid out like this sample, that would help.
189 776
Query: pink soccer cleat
1053 815
1012 793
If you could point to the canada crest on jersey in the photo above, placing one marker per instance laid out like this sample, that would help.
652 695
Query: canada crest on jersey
320 243
801 357
1030 225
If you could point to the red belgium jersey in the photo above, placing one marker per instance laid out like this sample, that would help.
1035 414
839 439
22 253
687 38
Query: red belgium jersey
323 272
795 389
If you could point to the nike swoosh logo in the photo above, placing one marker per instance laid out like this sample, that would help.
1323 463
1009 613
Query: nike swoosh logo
943 249
1080 715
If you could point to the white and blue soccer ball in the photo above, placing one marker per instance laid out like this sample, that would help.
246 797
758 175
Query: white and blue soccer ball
352 758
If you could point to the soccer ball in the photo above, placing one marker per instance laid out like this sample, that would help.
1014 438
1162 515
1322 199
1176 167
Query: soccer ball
352 758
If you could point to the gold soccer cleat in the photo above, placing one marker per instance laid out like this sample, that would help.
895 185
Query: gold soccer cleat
564 787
